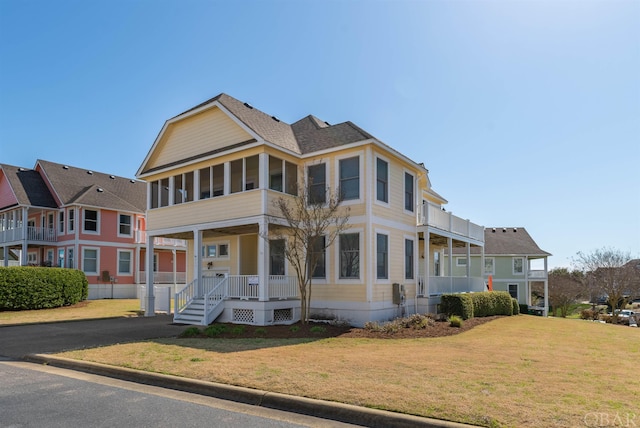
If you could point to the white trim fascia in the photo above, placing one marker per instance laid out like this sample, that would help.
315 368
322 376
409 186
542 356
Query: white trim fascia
381 221
102 244
186 115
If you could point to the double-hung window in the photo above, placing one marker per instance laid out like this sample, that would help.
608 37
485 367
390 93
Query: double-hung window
276 256
382 256
408 192
124 225
90 261
382 180
518 265
91 219
124 262
317 182
349 255
319 256
61 222
408 258
349 178
71 224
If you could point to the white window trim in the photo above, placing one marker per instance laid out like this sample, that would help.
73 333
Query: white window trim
70 258
217 245
404 258
124 235
493 266
120 273
33 259
91 232
517 290
513 265
375 180
61 224
459 261
97 272
336 259
327 184
377 232
71 229
361 176
404 190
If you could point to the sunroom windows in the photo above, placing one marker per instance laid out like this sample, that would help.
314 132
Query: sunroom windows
283 176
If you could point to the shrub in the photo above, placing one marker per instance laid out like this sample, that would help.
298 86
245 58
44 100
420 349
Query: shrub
455 321
294 328
215 330
317 329
260 331
23 287
490 303
458 304
190 332
516 306
523 308
238 330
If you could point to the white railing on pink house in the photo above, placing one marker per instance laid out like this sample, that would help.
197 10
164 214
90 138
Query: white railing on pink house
40 234
163 277
141 238
433 215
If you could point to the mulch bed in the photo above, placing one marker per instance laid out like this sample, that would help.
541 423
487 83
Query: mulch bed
324 330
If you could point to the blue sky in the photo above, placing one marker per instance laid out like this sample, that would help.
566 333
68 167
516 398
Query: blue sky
526 113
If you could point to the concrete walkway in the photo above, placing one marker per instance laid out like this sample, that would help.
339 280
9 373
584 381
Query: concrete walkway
30 343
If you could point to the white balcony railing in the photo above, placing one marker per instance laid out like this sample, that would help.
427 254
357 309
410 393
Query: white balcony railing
141 238
537 274
432 215
39 234
163 277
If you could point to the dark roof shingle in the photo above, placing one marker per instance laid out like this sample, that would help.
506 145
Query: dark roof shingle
28 187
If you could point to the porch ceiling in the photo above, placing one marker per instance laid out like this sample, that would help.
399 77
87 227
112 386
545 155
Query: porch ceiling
441 241
214 233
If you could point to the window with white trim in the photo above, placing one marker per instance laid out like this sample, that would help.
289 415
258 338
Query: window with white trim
124 262
90 260
71 224
61 222
91 221
408 258
349 256
518 265
60 257
317 182
382 180
70 259
382 256
349 178
489 265
461 261
513 290
124 225
283 176
408 192
276 256
319 252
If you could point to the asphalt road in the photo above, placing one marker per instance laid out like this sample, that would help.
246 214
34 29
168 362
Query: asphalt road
33 395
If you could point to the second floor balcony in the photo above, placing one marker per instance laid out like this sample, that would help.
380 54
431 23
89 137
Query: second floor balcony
31 234
434 216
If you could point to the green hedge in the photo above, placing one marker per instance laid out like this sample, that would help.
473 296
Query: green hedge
457 304
516 306
39 288
484 304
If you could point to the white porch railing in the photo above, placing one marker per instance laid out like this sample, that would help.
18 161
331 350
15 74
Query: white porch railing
243 287
141 238
213 298
283 287
537 274
163 277
185 296
45 234
450 284
432 215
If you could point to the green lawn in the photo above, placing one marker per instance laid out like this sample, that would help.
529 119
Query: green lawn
522 371
89 309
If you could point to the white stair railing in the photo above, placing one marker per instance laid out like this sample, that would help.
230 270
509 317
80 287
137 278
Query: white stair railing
185 296
213 298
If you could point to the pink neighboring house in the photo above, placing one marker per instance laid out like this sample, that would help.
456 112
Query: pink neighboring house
63 216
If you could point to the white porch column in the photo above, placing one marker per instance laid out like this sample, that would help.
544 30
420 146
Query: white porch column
450 263
546 289
149 297
25 230
427 256
482 272
175 272
527 287
5 251
197 261
263 260
468 260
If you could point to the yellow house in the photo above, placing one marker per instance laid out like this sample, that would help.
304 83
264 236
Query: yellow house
212 176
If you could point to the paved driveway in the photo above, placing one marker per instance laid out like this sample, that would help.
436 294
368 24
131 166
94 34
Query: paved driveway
17 341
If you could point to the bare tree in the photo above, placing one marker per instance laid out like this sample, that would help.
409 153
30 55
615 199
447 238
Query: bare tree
565 288
609 273
312 222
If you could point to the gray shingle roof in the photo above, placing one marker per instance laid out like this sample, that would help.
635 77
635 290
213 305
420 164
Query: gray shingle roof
307 135
28 187
77 186
506 241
